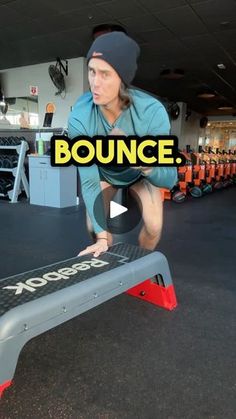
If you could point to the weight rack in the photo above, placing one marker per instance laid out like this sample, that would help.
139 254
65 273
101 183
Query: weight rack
20 179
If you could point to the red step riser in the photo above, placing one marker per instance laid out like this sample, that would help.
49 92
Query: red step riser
155 294
4 386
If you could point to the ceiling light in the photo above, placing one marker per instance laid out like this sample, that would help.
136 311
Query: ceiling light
225 108
221 66
206 95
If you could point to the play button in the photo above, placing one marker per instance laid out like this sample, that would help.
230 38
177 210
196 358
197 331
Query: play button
116 209
123 210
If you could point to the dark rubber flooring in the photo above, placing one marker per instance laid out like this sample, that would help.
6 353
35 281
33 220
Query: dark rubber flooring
127 358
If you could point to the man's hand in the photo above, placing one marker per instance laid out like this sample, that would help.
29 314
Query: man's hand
97 248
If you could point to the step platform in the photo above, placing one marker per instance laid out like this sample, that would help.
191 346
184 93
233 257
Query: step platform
36 301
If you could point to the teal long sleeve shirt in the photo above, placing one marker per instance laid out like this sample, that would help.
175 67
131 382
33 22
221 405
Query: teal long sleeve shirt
146 116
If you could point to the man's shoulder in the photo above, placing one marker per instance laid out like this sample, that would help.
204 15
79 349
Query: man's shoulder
149 114
84 102
82 115
144 102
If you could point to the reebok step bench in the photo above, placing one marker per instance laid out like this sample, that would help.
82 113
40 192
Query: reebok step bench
35 301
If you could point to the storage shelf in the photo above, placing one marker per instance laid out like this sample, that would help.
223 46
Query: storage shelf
3 169
9 147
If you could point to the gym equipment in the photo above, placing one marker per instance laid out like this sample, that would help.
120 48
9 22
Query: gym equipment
166 194
199 172
185 176
219 170
6 162
185 173
233 165
195 192
210 167
227 181
203 169
6 185
14 163
38 300
177 195
204 172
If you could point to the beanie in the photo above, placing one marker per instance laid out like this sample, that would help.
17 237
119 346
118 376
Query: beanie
118 50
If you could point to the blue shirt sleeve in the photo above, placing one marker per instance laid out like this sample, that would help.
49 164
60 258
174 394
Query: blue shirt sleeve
163 176
89 180
159 123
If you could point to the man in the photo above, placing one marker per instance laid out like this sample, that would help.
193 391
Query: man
111 108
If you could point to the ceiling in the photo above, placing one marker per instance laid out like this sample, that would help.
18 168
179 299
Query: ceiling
192 35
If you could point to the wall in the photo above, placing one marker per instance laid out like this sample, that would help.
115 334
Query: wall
192 131
177 124
16 82
188 132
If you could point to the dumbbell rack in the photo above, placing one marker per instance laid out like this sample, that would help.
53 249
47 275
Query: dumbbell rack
18 171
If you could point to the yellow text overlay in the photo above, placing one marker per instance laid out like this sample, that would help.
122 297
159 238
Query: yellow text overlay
116 151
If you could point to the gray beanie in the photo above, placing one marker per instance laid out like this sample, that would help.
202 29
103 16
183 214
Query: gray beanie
118 50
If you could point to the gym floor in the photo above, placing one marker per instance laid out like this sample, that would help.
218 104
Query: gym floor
127 358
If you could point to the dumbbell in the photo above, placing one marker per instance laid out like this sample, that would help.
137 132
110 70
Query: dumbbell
178 196
14 141
6 185
10 141
18 140
195 192
14 160
1 160
3 141
206 188
7 141
6 162
9 161
9 184
2 186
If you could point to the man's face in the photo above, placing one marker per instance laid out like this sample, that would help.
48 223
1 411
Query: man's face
104 81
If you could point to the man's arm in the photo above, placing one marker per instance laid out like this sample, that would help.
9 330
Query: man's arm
163 176
91 190
90 183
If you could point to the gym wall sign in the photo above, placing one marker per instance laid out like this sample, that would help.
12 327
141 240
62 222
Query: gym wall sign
116 150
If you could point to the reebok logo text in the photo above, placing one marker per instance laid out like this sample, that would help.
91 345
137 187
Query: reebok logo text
32 284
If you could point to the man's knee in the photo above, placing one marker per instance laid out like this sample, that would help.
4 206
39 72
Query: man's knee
153 227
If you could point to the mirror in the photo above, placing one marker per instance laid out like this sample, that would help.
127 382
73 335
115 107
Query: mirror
22 112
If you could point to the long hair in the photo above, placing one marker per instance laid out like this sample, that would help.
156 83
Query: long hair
124 96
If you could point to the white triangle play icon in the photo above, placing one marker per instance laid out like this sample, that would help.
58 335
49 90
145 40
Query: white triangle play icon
116 209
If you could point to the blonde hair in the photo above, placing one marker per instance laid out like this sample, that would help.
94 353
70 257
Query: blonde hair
124 96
